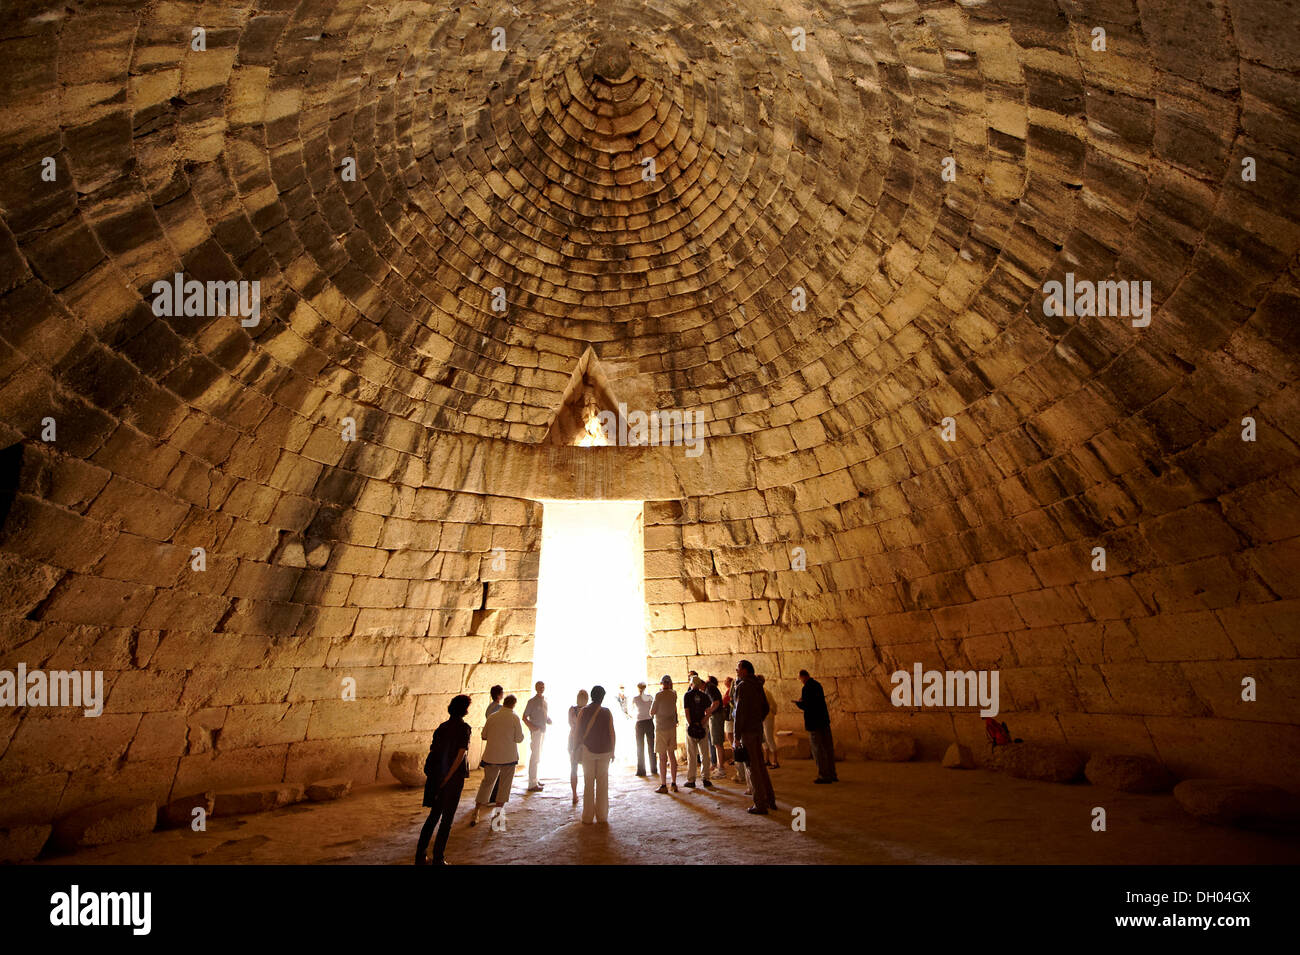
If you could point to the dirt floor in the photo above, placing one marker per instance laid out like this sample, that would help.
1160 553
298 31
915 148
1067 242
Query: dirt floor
879 813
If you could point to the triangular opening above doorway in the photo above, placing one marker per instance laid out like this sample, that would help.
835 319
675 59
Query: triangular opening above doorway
587 394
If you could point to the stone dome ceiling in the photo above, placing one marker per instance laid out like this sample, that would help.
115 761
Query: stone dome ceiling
776 168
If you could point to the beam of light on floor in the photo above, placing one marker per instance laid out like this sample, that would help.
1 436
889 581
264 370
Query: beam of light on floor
591 614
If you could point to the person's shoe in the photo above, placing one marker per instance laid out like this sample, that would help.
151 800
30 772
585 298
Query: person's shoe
755 811
690 784
719 774
663 789
674 787
709 785
776 765
822 782
533 789
641 774
772 806
421 860
749 791
575 799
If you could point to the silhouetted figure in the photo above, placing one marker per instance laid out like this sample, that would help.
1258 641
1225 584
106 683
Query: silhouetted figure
664 711
645 730
445 769
717 714
594 739
493 705
536 720
503 733
817 721
769 725
695 704
751 711
573 744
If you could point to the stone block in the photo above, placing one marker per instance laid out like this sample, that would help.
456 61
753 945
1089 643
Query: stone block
1127 773
888 747
179 813
1223 802
23 843
958 757
1045 762
407 767
249 799
325 790
113 820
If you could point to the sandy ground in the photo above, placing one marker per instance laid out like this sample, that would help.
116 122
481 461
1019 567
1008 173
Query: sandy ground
879 813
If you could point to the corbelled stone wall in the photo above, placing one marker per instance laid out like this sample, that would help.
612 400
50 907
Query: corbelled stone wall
652 181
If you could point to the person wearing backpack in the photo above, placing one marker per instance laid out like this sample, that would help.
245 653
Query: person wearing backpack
594 735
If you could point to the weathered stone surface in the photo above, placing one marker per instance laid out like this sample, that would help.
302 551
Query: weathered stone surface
1130 774
23 843
180 812
1227 803
1045 762
888 747
324 790
247 799
958 756
407 767
113 820
824 523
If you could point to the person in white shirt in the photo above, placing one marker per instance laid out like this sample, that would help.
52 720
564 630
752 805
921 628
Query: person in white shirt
645 730
503 734
664 711
536 720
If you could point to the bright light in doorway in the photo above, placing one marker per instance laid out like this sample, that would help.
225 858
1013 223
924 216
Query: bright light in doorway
591 613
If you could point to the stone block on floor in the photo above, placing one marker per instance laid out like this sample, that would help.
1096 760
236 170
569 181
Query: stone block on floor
1044 762
113 820
326 789
1129 774
250 799
407 767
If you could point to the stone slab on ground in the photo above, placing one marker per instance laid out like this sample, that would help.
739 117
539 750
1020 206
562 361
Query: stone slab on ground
23 842
113 820
407 767
324 790
180 812
1223 802
250 799
888 747
1044 762
958 757
1128 774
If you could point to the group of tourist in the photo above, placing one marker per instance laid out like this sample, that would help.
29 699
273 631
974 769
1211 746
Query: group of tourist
741 713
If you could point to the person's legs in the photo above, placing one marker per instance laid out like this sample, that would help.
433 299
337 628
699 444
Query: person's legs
764 798
600 767
641 751
534 756
426 833
487 790
692 758
769 737
817 741
830 753
450 800
588 785
573 774
507 780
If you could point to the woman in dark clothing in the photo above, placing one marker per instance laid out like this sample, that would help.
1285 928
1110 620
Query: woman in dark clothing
445 770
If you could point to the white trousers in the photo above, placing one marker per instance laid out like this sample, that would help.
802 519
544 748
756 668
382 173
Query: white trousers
697 751
595 785
534 755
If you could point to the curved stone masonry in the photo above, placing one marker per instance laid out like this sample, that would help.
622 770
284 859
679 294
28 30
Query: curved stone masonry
522 169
